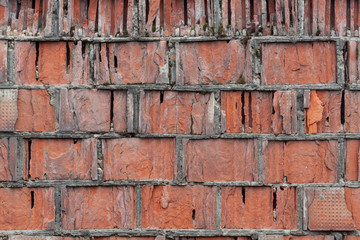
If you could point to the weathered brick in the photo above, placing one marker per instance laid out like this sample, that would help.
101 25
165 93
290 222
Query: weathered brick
177 112
84 110
352 114
127 238
220 160
8 152
323 113
212 238
27 208
258 112
84 18
289 237
139 159
300 161
299 63
352 237
123 111
334 209
176 18
3 64
352 162
52 63
218 62
132 62
30 17
353 62
60 159
17 237
184 207
8 109
259 208
35 111
98 207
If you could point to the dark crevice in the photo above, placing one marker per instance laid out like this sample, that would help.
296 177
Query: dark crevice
40 19
243 194
33 4
267 11
161 97
65 7
229 12
37 61
67 57
162 13
193 214
147 9
115 63
108 59
272 100
32 199
29 158
250 111
97 17
83 50
18 7
75 140
111 107
100 59
125 16
343 107
290 14
251 10
185 13
243 108
87 9
274 204
206 11
348 14
332 14
311 16
283 13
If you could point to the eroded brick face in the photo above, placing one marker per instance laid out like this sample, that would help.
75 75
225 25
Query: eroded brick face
8 156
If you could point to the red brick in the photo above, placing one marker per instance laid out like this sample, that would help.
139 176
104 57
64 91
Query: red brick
139 159
289 237
177 112
8 109
123 111
184 207
324 112
300 161
352 113
98 207
29 17
35 111
351 237
353 62
220 160
127 238
299 63
352 162
334 209
317 17
8 152
27 208
168 18
213 63
60 159
259 112
84 110
86 18
16 237
3 64
253 208
132 62
212 238
56 63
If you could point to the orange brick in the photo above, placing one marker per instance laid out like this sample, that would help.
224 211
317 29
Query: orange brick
8 156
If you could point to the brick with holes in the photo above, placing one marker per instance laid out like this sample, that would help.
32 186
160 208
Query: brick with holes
8 109
27 209
98 207
60 159
259 208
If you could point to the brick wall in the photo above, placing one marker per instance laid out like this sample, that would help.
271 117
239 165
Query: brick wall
179 120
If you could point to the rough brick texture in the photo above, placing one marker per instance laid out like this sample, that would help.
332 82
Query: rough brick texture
179 120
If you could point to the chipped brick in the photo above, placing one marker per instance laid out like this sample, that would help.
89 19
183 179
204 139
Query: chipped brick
253 208
8 156
299 63
352 114
184 207
139 159
176 112
84 110
352 161
300 161
130 63
60 159
98 207
223 160
213 63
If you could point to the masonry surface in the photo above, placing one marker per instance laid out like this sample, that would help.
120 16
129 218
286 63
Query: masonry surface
179 120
